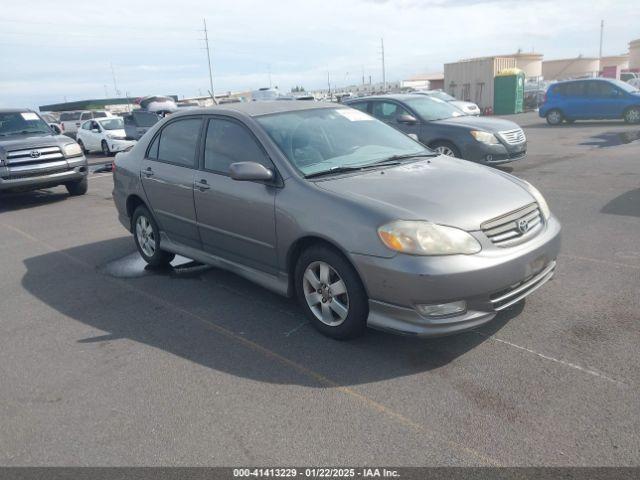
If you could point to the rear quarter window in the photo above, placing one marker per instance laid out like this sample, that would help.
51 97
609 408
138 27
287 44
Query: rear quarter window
69 116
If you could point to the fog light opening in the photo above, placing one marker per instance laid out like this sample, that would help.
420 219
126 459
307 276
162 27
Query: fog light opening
489 158
438 310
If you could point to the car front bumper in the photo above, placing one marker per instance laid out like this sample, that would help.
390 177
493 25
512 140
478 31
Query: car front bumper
495 154
43 176
488 282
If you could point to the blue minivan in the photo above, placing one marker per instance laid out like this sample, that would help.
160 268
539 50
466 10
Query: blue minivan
588 99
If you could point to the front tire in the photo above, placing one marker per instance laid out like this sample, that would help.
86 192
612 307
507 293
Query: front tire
331 294
147 237
82 147
79 187
632 115
554 117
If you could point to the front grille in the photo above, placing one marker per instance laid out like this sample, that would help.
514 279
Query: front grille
513 137
33 156
515 293
515 227
39 173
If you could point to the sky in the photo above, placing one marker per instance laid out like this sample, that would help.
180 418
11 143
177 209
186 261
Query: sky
52 51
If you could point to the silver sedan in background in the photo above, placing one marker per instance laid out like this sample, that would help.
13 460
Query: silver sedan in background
365 226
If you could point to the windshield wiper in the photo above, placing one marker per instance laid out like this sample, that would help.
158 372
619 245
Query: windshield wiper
405 156
385 162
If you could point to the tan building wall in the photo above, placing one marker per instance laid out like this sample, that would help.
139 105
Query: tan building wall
634 54
569 68
620 61
529 63
472 80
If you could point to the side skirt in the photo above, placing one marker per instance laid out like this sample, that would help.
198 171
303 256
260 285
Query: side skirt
278 284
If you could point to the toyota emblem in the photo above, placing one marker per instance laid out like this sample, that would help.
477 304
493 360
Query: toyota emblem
523 225
35 153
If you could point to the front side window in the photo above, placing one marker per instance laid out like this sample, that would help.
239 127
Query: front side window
388 111
325 139
178 142
85 116
86 125
229 142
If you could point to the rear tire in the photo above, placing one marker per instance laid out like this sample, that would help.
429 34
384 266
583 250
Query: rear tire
632 115
554 117
79 187
147 237
445 148
331 293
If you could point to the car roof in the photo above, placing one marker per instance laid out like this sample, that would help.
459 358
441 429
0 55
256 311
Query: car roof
15 110
389 96
255 109
582 80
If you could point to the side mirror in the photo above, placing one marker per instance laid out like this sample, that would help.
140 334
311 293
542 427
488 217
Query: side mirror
95 130
406 119
250 172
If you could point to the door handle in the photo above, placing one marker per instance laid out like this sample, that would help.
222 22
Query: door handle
203 185
148 172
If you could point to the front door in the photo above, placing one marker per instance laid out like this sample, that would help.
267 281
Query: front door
236 219
389 112
167 174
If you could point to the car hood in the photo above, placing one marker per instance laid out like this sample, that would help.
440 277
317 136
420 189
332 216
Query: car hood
492 125
17 142
117 133
441 190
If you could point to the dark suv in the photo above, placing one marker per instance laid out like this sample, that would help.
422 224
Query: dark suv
32 156
446 129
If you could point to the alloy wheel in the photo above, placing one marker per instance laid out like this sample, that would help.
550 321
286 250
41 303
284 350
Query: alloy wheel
145 236
633 115
105 149
325 293
444 150
555 117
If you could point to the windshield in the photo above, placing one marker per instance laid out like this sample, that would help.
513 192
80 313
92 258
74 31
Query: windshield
17 123
112 124
441 95
145 119
625 86
321 140
431 108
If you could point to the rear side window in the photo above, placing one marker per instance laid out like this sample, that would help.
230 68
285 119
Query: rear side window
178 142
69 116
362 106
86 116
99 115
575 89
228 142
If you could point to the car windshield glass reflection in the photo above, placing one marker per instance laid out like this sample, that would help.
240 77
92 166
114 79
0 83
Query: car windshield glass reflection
16 123
112 124
431 108
326 140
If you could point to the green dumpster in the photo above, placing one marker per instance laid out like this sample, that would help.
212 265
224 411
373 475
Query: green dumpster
508 92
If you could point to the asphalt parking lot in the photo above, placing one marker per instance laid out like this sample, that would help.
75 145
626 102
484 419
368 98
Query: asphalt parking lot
105 363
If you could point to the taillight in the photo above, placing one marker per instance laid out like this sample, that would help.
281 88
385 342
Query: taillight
544 97
62 126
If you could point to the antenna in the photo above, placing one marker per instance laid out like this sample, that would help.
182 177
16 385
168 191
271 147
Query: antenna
206 42
601 34
115 84
384 73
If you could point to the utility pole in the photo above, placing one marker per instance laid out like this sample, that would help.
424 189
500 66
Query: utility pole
115 84
363 75
601 34
329 84
206 41
384 73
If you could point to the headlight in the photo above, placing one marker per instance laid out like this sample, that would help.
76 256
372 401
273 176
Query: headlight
484 137
72 150
425 238
542 203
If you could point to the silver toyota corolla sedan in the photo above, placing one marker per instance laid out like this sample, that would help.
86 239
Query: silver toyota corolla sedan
360 222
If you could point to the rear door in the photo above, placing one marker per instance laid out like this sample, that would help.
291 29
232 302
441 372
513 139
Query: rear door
167 174
576 102
236 219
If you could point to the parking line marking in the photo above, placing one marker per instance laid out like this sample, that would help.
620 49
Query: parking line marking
557 360
597 260
318 377
286 334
